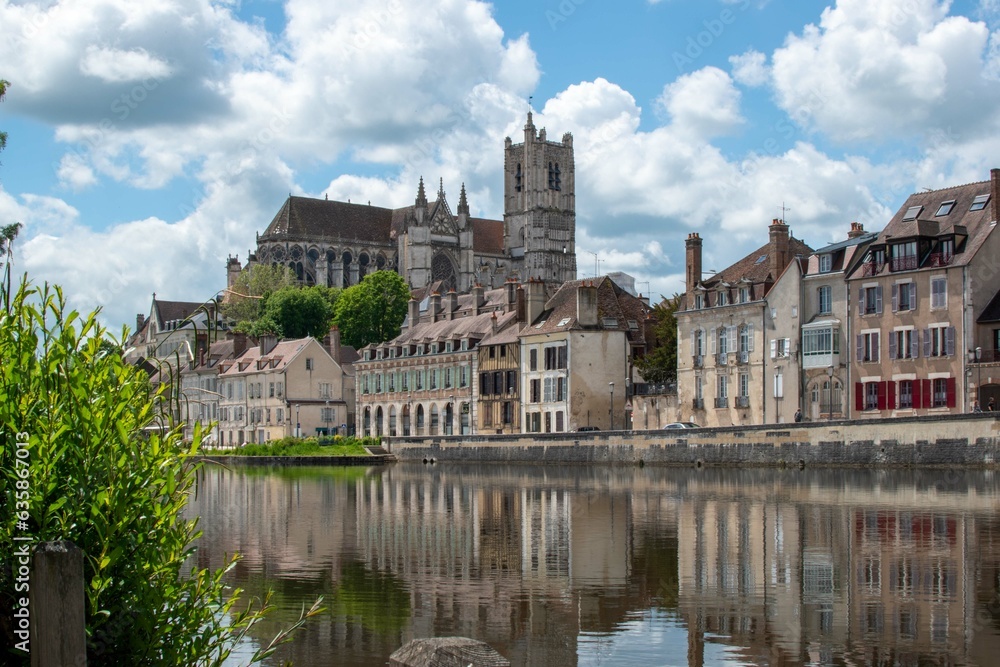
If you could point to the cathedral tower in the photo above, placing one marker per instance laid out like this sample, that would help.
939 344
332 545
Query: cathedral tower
540 206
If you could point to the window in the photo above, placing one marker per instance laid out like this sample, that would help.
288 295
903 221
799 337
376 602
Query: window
939 293
746 338
324 389
945 207
870 300
780 348
488 416
825 300
536 391
723 387
822 342
309 363
493 352
485 384
825 263
699 301
721 299
903 256
555 357
871 396
723 340
939 341
779 385
270 389
979 203
699 388
559 421
940 393
508 412
902 344
327 414
744 294
744 385
912 212
906 394
904 296
533 359
447 378
698 342
868 346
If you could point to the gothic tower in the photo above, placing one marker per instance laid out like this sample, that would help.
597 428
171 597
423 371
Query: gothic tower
540 206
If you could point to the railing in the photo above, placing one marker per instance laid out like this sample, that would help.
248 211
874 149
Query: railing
872 268
722 358
744 358
905 263
698 403
699 361
722 402
654 388
988 357
940 259
743 401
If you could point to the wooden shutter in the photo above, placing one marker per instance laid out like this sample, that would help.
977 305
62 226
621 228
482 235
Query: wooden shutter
913 296
927 342
882 394
950 389
927 390
733 342
892 344
859 396
890 397
918 394
895 297
875 346
949 341
878 299
861 301
750 337
914 344
774 348
861 347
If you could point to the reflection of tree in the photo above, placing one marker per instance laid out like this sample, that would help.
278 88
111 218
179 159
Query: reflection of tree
378 600
654 567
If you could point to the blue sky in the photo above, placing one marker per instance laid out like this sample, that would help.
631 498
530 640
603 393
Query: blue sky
149 141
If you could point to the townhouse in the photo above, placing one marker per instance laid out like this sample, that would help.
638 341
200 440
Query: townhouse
199 389
923 284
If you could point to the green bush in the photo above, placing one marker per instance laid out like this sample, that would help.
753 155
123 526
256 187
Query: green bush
107 473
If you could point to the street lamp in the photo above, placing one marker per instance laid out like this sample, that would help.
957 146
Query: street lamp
829 396
975 356
611 411
298 424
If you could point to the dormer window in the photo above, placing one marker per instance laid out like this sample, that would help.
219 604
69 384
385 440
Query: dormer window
945 207
699 302
722 299
744 295
979 203
912 213
825 263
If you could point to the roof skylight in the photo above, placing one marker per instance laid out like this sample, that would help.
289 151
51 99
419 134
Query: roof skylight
761 259
945 207
979 203
913 212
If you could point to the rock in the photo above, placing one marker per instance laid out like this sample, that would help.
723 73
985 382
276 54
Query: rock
447 652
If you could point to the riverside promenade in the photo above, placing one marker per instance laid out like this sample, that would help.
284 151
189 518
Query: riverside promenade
970 441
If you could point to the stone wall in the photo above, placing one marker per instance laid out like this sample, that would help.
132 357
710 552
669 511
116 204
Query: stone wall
960 440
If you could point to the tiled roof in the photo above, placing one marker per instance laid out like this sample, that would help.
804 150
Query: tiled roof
284 352
174 310
756 267
507 330
613 302
304 217
487 236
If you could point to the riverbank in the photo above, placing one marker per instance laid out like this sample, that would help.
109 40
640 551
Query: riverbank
237 460
969 441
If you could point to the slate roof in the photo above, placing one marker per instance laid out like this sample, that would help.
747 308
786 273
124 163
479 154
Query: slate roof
843 254
304 217
174 310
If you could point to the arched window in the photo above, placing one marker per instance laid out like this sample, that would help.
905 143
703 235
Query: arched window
378 421
443 269
363 262
517 178
367 421
346 259
435 418
392 421
420 420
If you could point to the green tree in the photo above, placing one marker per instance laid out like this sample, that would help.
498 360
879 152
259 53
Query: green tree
373 310
295 312
3 91
244 303
84 456
660 362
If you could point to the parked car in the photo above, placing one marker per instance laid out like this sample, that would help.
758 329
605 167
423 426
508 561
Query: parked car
583 429
677 425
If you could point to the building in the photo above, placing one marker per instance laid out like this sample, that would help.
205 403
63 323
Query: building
721 359
337 243
173 333
200 387
923 284
290 388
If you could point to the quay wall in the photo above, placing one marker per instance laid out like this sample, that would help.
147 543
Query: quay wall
943 441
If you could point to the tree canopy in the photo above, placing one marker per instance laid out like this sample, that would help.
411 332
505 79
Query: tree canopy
244 302
296 312
660 362
373 310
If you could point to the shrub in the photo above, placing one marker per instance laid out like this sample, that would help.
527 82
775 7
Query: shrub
108 473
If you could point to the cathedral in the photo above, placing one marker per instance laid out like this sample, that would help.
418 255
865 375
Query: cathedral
336 243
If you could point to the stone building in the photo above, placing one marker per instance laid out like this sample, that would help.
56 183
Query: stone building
200 387
923 284
337 243
721 359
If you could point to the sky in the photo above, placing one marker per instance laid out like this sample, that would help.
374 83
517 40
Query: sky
149 141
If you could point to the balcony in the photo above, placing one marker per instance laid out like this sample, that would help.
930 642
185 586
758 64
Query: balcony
654 389
743 359
699 361
721 359
743 401
988 357
871 268
698 404
905 263
936 259
722 402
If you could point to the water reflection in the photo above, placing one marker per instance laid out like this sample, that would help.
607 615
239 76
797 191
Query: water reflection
619 566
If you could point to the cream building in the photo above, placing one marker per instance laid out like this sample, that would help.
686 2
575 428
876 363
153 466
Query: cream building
200 387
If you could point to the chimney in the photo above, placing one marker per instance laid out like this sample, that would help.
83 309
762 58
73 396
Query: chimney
434 306
535 299
477 298
778 247
140 321
693 263
586 305
332 343
413 312
202 353
267 343
239 343
857 229
450 303
520 304
511 286
995 192
493 322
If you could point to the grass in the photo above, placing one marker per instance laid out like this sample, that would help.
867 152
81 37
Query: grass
335 446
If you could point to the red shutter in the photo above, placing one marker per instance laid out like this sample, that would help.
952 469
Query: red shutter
951 392
927 390
859 396
890 399
882 394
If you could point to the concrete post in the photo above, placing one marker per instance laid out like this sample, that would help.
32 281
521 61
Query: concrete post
58 630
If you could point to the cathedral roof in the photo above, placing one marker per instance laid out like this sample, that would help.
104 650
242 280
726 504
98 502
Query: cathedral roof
487 236
304 217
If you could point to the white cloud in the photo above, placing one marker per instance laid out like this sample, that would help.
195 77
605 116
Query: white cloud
704 102
74 173
886 69
117 66
750 68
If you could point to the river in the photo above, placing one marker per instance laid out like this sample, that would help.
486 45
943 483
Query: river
563 566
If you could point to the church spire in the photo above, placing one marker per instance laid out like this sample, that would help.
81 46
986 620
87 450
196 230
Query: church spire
441 189
463 203
421 195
